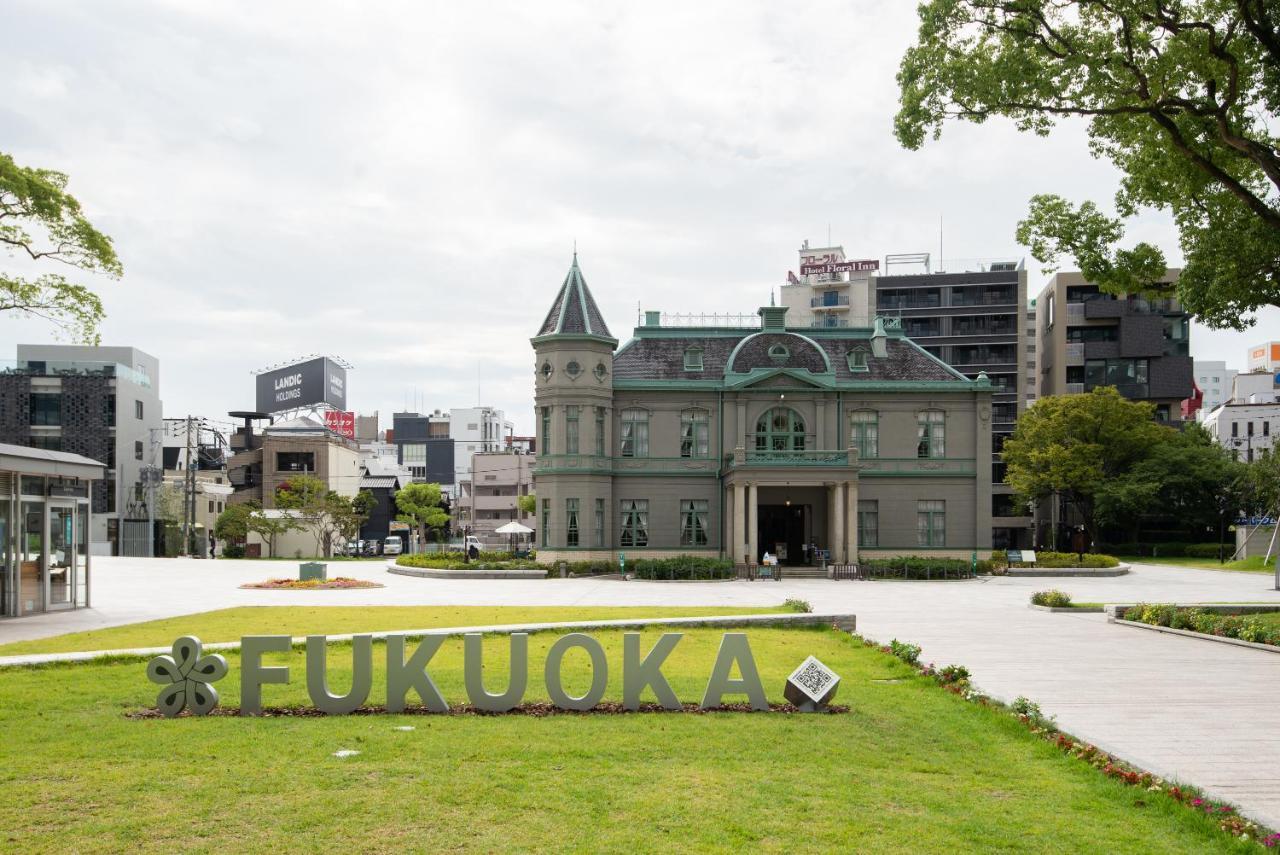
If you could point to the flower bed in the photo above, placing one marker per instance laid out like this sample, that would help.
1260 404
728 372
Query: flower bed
1242 627
338 583
955 679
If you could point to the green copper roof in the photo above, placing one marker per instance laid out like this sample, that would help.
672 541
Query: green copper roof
574 311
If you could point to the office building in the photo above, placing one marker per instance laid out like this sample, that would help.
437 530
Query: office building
102 403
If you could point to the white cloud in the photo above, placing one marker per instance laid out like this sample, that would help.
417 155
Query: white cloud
402 183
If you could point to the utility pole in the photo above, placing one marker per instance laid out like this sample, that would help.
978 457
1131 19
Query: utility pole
188 492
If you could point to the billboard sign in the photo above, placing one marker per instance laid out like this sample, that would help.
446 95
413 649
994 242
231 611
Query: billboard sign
341 422
316 381
839 266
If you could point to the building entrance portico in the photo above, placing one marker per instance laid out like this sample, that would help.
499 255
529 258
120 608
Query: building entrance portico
794 519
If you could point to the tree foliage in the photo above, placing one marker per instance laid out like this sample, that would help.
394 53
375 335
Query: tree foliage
1180 95
421 505
1074 445
41 222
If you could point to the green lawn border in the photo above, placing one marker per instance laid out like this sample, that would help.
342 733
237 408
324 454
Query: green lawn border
955 679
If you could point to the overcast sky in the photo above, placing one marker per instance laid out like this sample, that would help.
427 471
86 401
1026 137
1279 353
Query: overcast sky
402 184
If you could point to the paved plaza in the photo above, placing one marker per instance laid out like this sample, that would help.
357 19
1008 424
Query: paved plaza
1195 710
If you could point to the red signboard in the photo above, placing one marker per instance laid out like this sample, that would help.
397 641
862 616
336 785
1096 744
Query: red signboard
341 422
840 266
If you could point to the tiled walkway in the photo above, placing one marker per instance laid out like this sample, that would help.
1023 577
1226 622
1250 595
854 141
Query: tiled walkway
1203 712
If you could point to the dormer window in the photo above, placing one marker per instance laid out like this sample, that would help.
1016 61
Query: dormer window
858 359
779 353
693 359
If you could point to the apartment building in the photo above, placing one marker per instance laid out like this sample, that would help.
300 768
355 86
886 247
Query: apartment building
490 496
102 403
1088 338
1214 380
976 321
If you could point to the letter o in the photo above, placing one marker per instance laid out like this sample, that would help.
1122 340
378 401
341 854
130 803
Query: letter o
599 672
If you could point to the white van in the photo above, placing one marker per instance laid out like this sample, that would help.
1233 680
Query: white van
392 545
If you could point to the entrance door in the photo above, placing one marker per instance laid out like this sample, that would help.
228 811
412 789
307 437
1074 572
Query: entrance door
63 552
782 532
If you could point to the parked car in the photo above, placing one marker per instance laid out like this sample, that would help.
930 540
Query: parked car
392 545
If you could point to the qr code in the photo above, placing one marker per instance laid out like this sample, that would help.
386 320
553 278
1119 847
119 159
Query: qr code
814 679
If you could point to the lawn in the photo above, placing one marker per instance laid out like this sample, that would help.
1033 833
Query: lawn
232 624
1245 565
911 768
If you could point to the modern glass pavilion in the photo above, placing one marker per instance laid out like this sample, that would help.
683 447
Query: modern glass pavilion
44 529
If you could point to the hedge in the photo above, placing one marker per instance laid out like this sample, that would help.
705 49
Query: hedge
1243 627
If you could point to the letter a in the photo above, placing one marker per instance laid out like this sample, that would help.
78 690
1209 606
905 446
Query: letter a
734 648
638 673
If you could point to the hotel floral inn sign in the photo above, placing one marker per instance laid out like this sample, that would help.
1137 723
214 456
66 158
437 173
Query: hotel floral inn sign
186 675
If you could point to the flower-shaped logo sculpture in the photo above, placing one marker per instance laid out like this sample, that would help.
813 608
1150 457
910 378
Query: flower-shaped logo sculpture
186 676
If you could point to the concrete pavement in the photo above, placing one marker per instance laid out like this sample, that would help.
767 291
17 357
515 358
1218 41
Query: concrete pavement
1188 709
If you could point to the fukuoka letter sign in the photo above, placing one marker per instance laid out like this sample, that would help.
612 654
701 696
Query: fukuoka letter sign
185 676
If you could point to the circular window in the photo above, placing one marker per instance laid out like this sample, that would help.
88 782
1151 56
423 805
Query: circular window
547 369
573 369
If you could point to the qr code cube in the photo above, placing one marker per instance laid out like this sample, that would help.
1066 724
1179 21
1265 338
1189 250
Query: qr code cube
812 682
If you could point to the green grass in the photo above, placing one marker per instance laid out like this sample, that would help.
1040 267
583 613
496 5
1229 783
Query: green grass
231 624
910 769
1245 565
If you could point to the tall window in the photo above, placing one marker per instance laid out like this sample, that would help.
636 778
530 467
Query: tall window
599 431
635 433
693 522
868 524
694 433
634 530
931 433
46 408
571 522
599 522
780 429
544 445
864 432
546 522
571 429
931 522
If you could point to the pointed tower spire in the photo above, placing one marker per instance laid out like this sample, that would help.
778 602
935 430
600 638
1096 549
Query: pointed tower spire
574 312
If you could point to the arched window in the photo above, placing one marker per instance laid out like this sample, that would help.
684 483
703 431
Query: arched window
864 432
780 429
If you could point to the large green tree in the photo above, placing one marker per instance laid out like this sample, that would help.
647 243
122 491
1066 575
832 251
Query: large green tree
1074 445
421 505
1188 477
41 222
1180 95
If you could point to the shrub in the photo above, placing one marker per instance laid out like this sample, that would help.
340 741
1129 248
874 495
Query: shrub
918 567
909 653
795 605
1053 599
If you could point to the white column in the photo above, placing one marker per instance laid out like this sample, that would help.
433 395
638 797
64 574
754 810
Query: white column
837 538
752 524
851 523
738 536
